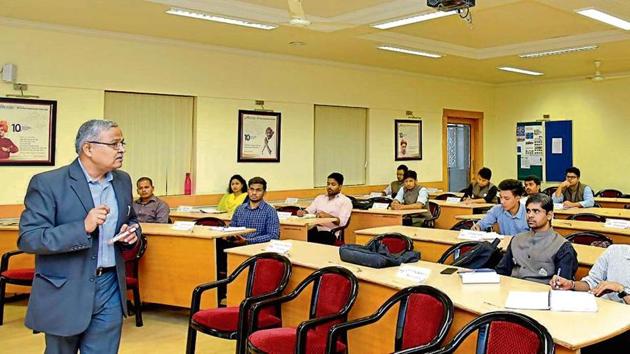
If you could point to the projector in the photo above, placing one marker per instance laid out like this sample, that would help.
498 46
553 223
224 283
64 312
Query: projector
450 5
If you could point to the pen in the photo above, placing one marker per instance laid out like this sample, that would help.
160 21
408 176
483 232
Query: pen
557 275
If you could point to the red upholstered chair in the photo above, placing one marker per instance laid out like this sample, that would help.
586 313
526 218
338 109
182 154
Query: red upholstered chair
23 276
609 193
395 242
445 196
550 190
425 315
506 333
340 233
210 221
463 225
435 211
455 251
132 258
587 217
590 238
268 275
334 292
289 209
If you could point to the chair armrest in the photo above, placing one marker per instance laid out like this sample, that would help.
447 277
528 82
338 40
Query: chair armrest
302 329
4 264
256 307
200 289
246 324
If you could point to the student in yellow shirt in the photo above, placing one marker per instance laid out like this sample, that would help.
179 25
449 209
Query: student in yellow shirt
235 196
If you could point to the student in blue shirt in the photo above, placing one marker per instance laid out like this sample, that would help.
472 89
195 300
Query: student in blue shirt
510 215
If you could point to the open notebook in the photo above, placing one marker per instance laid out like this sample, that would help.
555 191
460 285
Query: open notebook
554 300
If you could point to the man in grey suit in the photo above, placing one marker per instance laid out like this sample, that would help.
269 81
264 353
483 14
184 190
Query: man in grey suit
72 213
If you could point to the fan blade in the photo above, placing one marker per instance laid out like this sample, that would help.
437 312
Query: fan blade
295 9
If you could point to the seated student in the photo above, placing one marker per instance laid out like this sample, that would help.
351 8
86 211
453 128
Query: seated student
572 193
148 207
510 215
610 279
393 188
540 253
532 186
332 205
235 196
412 195
481 190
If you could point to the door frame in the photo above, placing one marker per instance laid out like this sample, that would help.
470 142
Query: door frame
475 120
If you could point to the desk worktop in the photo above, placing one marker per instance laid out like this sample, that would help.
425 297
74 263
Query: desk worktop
607 212
462 205
611 319
390 211
197 231
291 221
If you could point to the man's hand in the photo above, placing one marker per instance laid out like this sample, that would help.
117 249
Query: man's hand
559 283
95 217
567 204
476 227
565 184
237 240
395 205
300 213
606 287
132 237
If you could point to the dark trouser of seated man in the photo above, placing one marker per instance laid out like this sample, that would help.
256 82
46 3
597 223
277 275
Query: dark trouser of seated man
321 236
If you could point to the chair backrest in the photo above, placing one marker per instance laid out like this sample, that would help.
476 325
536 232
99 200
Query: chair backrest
455 251
334 292
395 242
445 196
506 333
210 221
550 190
268 272
588 217
133 255
289 209
609 193
463 225
434 209
590 238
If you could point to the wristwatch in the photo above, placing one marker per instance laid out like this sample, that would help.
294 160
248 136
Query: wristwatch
623 293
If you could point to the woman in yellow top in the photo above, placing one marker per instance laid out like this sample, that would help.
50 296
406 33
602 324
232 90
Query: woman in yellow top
236 194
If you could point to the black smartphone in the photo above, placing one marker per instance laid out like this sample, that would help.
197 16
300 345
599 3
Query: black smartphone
448 271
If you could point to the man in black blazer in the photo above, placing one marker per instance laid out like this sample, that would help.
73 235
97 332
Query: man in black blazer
71 216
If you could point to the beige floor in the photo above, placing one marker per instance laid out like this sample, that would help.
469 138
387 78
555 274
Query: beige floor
164 331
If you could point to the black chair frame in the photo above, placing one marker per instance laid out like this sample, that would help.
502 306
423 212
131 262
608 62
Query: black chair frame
244 308
401 296
305 326
4 266
484 320
430 222
454 248
617 193
386 200
408 241
210 221
137 303
588 215
444 196
463 225
592 234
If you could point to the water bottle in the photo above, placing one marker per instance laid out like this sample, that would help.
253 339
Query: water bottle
188 184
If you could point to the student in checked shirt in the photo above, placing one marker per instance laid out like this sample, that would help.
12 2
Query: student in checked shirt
331 205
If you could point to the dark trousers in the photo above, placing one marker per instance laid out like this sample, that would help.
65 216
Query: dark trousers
324 237
222 245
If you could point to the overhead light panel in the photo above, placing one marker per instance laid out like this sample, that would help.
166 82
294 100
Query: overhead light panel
409 51
413 19
221 19
520 71
558 51
604 17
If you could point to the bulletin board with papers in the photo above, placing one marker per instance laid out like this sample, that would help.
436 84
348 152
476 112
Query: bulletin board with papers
529 149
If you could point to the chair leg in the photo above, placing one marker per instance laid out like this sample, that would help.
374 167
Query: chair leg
191 340
3 285
137 306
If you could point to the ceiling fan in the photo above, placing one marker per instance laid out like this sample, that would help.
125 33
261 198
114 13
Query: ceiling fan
298 19
598 76
296 12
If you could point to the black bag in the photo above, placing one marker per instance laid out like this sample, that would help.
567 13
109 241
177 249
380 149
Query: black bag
375 255
483 255
363 204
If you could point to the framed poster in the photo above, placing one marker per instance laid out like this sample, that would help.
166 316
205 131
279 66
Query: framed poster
408 139
27 132
258 136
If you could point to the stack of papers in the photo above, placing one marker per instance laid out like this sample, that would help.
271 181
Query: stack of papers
210 210
554 300
479 276
617 223
478 235
453 199
183 225
227 228
284 215
380 206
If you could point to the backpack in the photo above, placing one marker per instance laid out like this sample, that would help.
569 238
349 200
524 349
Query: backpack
483 255
375 255
363 204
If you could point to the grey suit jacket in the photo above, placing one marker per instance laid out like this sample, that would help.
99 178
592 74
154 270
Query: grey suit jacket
52 228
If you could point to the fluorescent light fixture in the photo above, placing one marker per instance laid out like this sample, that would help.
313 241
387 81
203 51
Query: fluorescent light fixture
558 51
604 17
409 51
413 19
221 19
519 71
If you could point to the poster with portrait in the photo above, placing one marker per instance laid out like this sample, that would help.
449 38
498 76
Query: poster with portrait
27 132
258 136
408 139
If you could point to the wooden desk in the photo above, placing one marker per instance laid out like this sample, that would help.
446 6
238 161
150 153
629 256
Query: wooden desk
432 195
9 233
376 285
293 228
474 217
364 219
450 210
607 212
176 262
567 227
432 243
618 203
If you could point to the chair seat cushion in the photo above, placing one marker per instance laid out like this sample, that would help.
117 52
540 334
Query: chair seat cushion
225 319
19 274
282 340
132 282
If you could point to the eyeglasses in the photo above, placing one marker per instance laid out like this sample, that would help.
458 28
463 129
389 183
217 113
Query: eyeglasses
116 146
571 177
